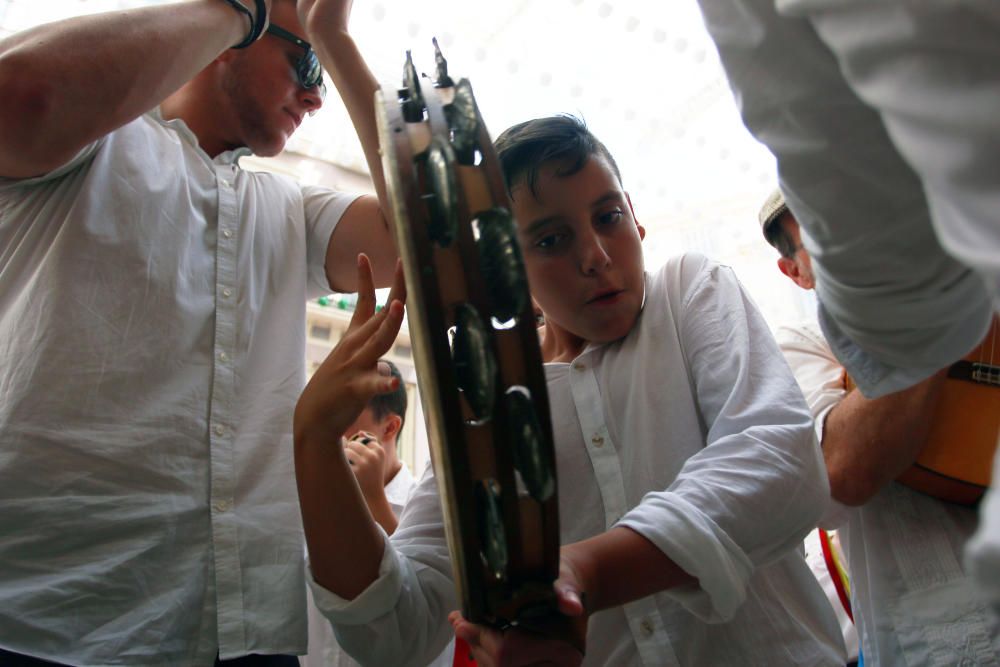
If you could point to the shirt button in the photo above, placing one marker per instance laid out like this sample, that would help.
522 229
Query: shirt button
598 441
646 628
227 182
227 292
228 234
219 430
221 506
223 356
579 366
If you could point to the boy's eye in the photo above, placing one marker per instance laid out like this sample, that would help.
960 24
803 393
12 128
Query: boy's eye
548 241
610 217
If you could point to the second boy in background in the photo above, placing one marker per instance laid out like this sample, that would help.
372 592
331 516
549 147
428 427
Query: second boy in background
695 471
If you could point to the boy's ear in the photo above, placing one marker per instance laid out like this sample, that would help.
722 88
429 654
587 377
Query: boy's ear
390 427
642 230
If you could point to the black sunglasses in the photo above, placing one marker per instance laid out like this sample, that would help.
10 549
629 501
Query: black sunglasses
307 69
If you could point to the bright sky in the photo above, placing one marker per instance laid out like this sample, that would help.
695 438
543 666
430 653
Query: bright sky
642 73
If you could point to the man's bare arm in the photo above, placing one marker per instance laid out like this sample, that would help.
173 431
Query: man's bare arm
867 443
68 83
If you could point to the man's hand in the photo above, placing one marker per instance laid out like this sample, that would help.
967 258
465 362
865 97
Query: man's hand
367 459
347 380
331 14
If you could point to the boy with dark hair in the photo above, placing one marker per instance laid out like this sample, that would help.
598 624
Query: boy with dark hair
691 468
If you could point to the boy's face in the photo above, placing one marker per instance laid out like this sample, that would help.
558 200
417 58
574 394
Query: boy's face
582 250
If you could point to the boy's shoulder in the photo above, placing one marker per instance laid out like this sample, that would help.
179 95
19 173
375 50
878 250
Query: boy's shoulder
682 273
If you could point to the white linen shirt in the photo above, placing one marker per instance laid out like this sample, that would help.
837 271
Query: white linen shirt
152 316
912 600
690 431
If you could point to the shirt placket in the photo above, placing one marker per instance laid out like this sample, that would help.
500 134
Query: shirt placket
644 620
228 575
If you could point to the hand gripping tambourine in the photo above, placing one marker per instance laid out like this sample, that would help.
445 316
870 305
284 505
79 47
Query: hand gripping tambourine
477 355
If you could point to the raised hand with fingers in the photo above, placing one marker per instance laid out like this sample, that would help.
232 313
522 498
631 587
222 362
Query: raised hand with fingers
349 377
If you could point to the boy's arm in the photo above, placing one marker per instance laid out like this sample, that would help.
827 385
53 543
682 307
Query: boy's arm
364 226
66 84
345 545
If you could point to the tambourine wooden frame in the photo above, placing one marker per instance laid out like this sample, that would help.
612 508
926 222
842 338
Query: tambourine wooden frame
464 451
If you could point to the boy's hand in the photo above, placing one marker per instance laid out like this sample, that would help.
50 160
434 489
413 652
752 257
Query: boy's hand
514 647
492 648
367 459
342 386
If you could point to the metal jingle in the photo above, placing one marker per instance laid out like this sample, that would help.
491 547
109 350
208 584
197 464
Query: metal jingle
411 97
475 367
501 262
529 445
463 120
492 534
443 204
442 79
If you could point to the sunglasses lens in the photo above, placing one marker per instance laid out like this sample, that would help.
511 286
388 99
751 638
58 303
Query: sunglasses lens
310 72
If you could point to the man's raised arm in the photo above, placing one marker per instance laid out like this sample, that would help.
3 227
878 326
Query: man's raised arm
68 83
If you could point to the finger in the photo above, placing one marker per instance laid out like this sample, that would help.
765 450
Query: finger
365 307
398 291
367 331
381 339
569 599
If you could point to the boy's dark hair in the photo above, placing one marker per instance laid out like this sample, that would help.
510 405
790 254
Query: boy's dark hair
524 148
777 236
393 403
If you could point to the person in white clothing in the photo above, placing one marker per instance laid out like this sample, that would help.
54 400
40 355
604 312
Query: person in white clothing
152 319
688 464
883 119
386 482
913 601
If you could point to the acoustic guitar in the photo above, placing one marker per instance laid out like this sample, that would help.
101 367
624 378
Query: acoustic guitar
956 463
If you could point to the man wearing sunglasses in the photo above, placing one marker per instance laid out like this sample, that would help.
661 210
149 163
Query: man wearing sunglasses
152 326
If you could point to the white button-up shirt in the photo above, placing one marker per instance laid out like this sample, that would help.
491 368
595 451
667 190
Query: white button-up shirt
690 431
152 316
912 600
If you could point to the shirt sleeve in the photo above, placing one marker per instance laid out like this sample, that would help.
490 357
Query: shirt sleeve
822 380
759 485
323 209
402 617
85 155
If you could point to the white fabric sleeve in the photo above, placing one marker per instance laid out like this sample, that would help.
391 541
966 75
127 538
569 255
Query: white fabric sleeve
86 154
402 617
821 378
323 209
902 306
759 485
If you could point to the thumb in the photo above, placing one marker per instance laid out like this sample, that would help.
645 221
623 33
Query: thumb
569 598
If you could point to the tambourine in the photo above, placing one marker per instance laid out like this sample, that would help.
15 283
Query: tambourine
479 367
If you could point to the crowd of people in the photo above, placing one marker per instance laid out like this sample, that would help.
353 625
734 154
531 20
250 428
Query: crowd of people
164 464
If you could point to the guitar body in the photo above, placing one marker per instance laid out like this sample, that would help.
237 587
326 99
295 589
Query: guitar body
956 463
